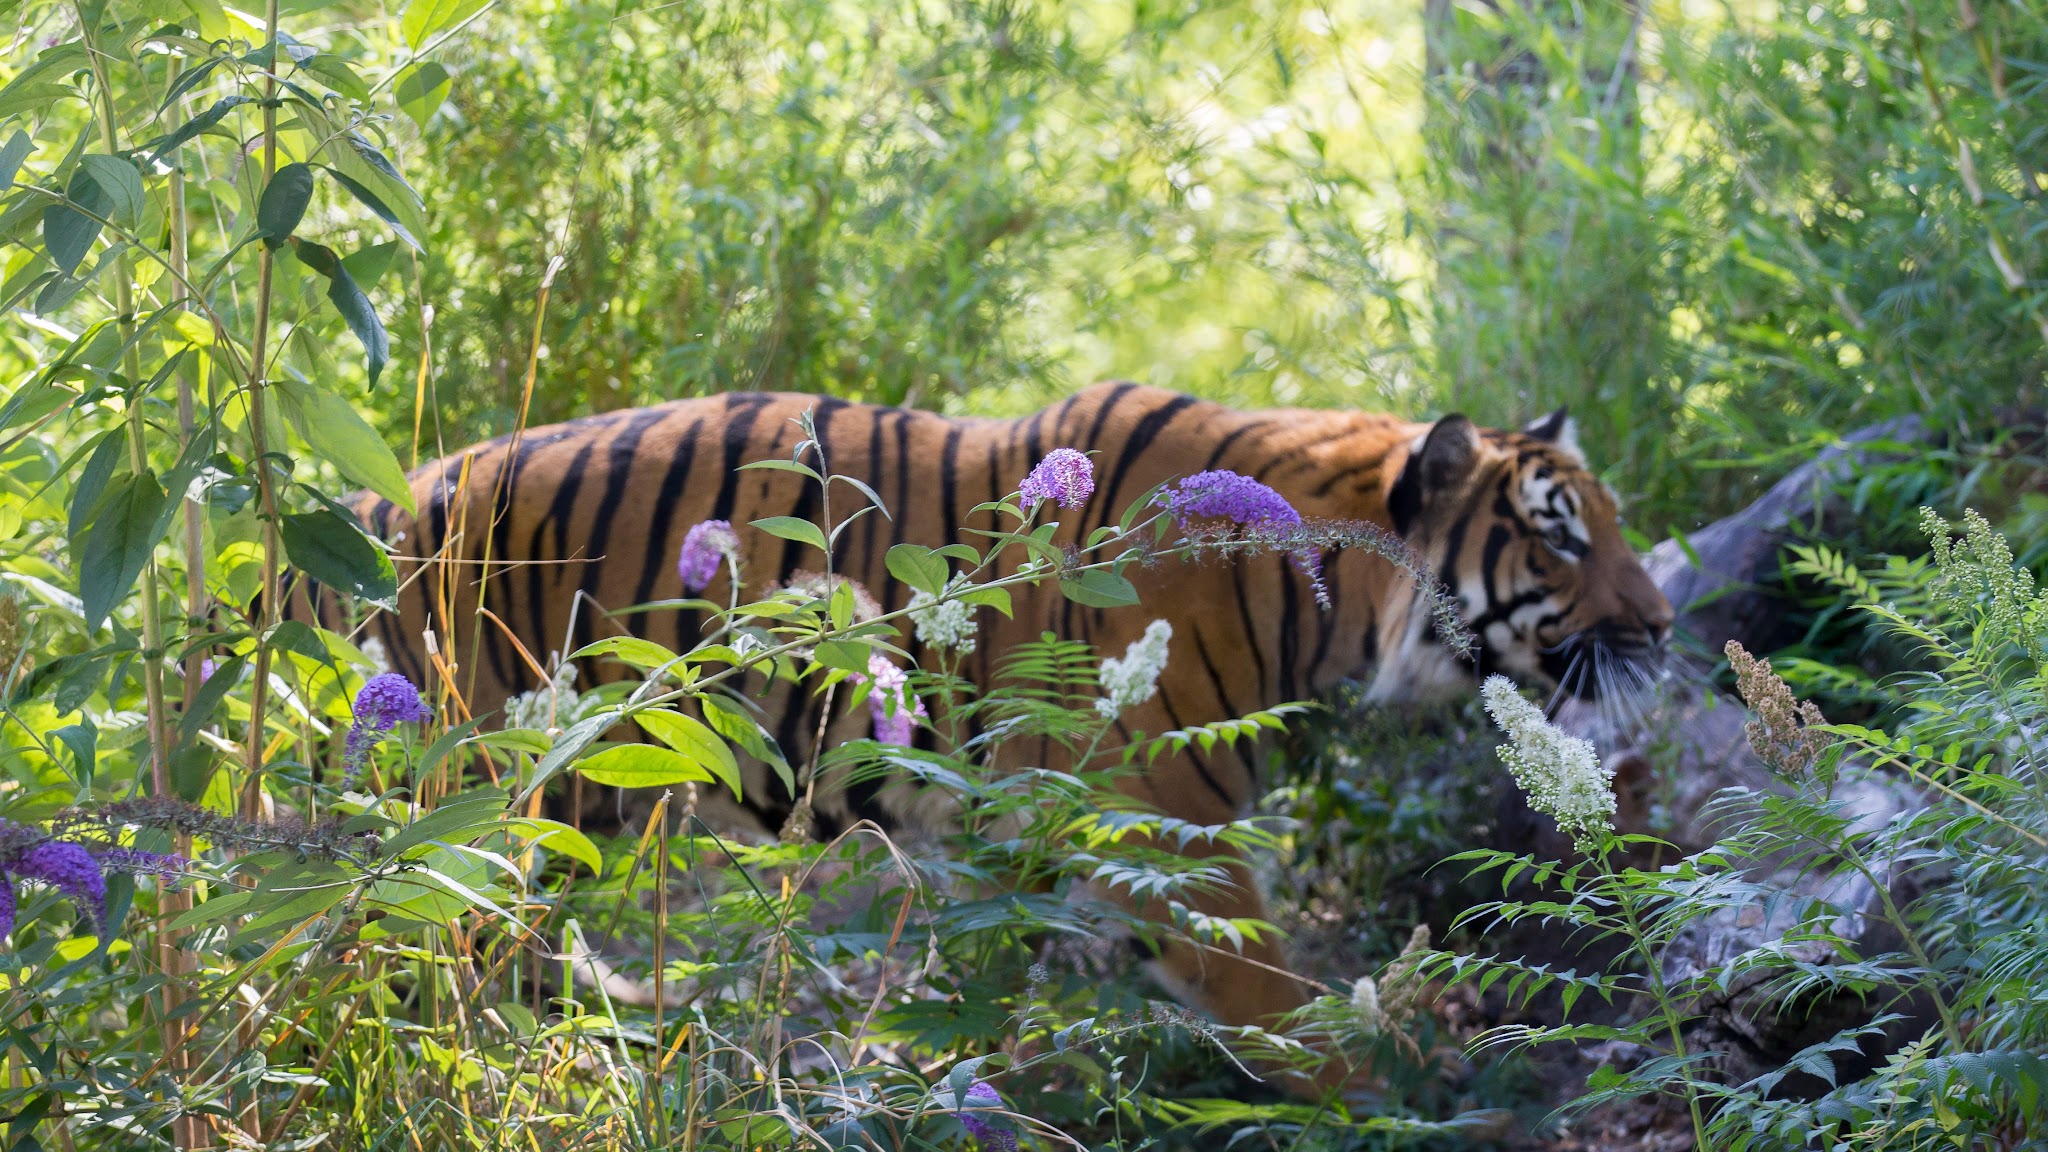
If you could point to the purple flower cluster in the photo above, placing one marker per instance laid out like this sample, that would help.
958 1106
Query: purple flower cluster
895 708
1065 477
1224 495
981 1094
74 870
1228 496
705 547
385 700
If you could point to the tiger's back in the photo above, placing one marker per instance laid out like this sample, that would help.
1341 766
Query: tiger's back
588 515
522 544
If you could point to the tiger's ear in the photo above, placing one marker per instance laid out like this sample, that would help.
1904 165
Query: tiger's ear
1558 430
1436 465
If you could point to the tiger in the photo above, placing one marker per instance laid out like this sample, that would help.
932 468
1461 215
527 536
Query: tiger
591 513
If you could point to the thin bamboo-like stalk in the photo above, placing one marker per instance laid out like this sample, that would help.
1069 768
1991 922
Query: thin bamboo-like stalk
188 1132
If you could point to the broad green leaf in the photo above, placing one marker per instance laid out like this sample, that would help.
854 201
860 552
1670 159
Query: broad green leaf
529 740
641 766
919 567
374 171
996 598
691 738
117 544
12 154
376 204
792 528
630 649
732 721
455 822
68 233
349 300
781 466
421 90
208 698
337 554
284 204
851 655
1099 588
366 266
342 438
422 20
118 177
559 837
334 72
164 145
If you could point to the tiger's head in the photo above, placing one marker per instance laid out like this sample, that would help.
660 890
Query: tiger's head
1529 543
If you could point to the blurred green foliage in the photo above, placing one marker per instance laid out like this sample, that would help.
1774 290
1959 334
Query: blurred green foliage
1721 233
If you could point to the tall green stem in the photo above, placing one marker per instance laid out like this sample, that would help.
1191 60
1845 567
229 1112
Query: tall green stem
259 352
138 445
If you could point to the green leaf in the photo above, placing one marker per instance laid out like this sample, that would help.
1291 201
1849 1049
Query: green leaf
641 766
454 822
337 554
559 837
421 90
284 204
792 528
567 747
422 20
336 74
349 300
630 649
731 721
996 598
208 698
118 177
342 438
91 484
1099 588
117 544
692 739
851 655
374 203
366 266
780 466
166 144
12 154
919 567
189 80
68 232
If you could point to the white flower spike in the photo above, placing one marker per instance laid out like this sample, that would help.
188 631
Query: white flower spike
1135 678
1561 773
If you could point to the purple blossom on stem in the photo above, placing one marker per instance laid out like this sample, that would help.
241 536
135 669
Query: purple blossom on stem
70 869
385 700
706 546
6 905
1243 501
1065 477
981 1094
894 706
207 668
1229 496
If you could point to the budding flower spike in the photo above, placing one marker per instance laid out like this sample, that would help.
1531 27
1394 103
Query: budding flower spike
707 545
1561 773
1066 477
384 701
